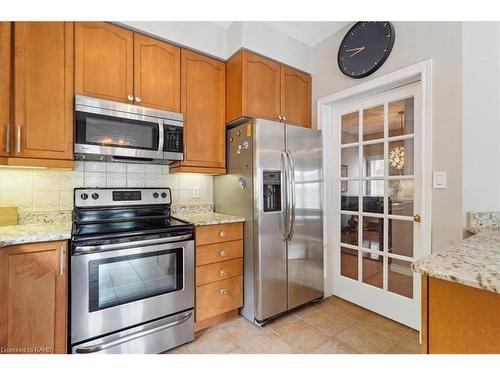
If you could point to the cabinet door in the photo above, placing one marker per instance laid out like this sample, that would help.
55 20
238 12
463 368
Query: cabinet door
43 89
295 97
104 61
157 74
202 102
33 298
4 87
261 87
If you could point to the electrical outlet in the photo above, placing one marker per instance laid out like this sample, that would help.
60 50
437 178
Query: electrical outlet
196 192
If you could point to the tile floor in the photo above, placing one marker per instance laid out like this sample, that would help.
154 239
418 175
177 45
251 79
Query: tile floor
332 326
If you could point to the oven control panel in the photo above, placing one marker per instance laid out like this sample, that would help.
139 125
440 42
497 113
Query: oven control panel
102 197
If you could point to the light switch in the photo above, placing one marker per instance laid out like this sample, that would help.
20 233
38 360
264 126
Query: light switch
196 192
439 180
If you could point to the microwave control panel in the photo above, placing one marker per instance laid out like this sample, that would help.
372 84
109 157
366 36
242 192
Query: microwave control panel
173 141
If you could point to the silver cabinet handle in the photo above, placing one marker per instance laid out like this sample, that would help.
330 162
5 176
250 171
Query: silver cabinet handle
18 138
132 244
222 233
62 254
279 117
222 291
283 117
138 99
222 272
132 336
292 190
130 98
222 253
7 138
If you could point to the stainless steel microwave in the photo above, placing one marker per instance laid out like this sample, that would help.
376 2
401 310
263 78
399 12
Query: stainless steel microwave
112 131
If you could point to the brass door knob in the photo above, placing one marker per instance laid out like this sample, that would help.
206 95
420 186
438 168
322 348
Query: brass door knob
417 218
222 273
222 253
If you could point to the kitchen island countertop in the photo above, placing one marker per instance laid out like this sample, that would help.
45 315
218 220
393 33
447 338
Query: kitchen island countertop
473 262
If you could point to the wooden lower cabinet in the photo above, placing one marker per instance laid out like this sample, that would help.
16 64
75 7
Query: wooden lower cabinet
219 273
33 298
458 319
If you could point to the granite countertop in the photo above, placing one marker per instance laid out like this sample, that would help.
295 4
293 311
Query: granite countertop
474 262
28 233
207 218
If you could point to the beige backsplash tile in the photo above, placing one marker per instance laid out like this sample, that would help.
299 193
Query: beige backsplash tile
51 190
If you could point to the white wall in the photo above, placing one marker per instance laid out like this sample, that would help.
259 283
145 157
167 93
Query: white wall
268 41
215 40
203 36
481 116
415 42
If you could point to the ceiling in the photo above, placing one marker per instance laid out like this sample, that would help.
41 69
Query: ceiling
307 32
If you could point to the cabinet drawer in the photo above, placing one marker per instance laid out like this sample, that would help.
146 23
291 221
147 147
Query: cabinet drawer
216 298
218 271
218 252
218 233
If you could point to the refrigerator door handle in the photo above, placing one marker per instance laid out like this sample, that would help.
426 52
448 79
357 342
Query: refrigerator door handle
286 221
292 195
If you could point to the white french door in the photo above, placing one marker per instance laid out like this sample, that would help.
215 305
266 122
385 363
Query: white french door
378 178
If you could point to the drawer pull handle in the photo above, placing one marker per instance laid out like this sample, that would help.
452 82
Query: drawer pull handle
222 233
222 253
222 272
222 291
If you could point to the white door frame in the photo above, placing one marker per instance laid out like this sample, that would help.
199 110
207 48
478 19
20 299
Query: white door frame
326 109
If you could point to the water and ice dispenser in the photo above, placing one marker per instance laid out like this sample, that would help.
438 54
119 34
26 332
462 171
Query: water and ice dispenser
272 191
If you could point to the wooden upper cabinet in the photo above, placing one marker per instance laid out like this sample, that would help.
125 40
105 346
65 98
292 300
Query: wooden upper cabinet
33 298
157 73
295 97
5 34
253 87
104 61
261 86
258 87
202 103
43 90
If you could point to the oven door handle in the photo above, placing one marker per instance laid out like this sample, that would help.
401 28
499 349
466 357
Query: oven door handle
128 245
132 336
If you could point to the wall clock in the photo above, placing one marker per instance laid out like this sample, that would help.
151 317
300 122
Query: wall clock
365 48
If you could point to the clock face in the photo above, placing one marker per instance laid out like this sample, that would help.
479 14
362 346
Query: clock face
365 48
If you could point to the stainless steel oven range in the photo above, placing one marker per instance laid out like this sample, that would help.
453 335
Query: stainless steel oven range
132 273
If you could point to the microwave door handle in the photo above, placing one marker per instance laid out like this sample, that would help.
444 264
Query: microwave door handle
132 336
161 137
128 245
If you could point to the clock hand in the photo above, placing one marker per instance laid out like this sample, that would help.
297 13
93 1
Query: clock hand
358 50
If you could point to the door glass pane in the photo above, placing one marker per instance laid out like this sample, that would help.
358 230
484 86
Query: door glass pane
349 229
373 160
350 128
401 197
373 196
401 117
124 279
401 157
373 123
401 237
349 195
349 165
373 269
400 278
349 263
373 233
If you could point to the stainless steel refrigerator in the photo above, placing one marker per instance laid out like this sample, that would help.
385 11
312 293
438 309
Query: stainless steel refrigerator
274 180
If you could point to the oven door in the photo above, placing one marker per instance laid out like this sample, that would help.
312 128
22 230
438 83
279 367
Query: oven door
114 289
102 132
